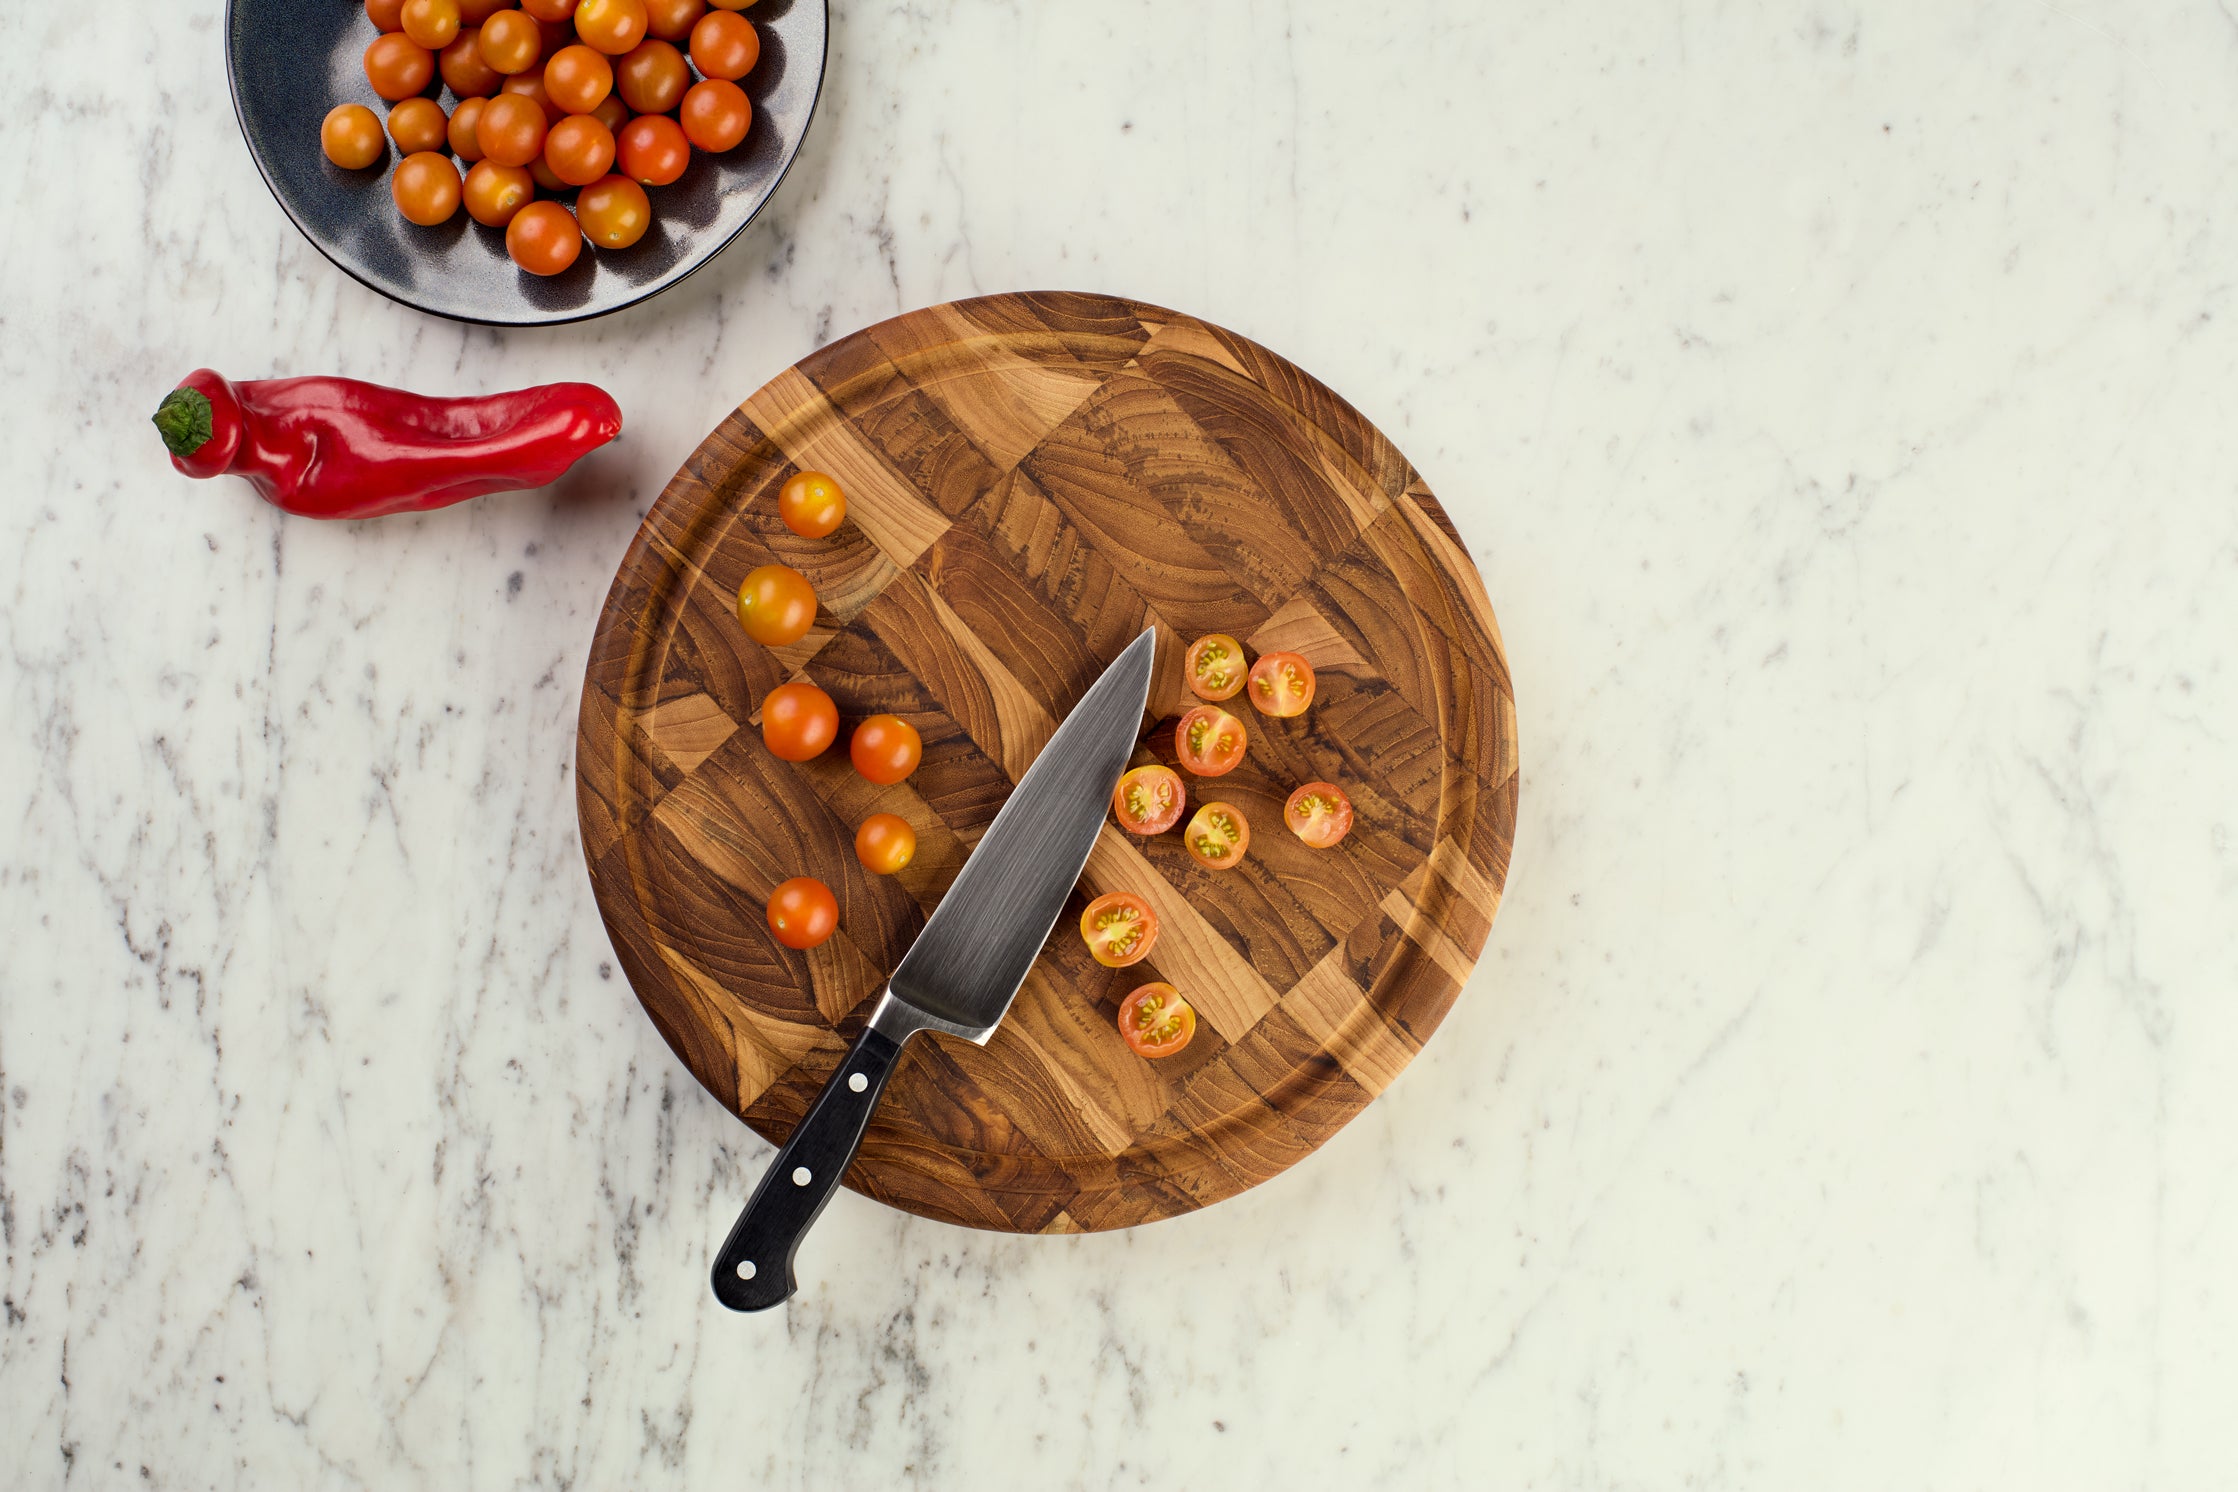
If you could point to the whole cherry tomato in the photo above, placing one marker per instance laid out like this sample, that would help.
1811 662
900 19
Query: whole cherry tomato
543 238
547 180
511 130
613 113
652 149
1156 1021
461 132
672 20
885 748
549 10
386 15
731 4
426 188
1149 800
1209 741
475 12
811 504
464 71
1319 813
725 45
1214 666
612 26
1120 929
351 137
398 66
885 843
578 79
418 124
510 42
432 23
495 193
776 605
1217 835
652 78
615 212
716 115
1281 684
579 150
554 35
530 85
803 912
798 720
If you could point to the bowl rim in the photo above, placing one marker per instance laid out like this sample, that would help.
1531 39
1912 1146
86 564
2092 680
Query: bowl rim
562 318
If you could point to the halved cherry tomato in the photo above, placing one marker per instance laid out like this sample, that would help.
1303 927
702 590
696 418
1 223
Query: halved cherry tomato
1156 1021
886 748
1281 684
398 66
1209 741
614 212
811 504
1214 666
885 843
1217 835
716 115
803 912
1319 813
798 720
1120 929
464 71
1149 800
652 150
543 237
776 605
351 137
511 42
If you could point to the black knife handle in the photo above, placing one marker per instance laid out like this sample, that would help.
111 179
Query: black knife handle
754 1267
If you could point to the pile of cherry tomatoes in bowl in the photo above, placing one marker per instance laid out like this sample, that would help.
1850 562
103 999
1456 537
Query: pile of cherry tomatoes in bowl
600 98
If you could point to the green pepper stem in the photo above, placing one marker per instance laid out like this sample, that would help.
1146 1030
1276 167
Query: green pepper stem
183 420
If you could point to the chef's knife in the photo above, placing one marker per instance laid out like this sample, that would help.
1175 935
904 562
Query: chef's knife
961 974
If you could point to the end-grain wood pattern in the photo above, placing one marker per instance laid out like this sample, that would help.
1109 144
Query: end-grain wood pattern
1031 480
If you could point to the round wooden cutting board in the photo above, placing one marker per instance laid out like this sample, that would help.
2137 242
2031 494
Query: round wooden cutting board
1032 479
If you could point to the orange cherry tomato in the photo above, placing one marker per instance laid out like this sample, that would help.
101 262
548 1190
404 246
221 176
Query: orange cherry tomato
803 912
613 114
885 844
511 42
426 188
614 212
776 605
495 193
652 149
459 132
731 4
418 124
1217 835
885 748
716 115
1319 813
549 10
579 150
511 130
543 238
1156 1021
475 12
433 24
351 137
798 721
725 45
464 71
1209 741
652 77
811 504
530 85
672 20
1149 800
578 79
547 181
1120 929
386 15
398 66
1214 666
612 26
1281 684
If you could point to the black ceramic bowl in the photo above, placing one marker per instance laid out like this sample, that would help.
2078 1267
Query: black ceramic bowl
289 63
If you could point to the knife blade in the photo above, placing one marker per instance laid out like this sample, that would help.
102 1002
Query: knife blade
960 975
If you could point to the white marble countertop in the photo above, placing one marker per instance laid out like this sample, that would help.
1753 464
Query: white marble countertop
1839 400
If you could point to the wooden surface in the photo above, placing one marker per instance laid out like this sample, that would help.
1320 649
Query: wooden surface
1031 479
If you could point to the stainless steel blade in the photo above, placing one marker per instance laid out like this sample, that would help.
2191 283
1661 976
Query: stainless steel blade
965 967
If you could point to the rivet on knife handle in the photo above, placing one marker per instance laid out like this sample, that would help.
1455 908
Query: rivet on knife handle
754 1267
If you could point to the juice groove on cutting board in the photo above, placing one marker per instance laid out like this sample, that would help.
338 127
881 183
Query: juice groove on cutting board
1031 480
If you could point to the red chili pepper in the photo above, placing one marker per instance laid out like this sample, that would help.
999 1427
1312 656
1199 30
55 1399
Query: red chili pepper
338 448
